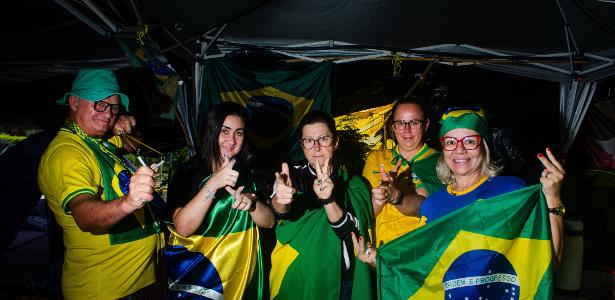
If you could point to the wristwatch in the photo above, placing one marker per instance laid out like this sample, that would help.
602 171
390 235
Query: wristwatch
560 210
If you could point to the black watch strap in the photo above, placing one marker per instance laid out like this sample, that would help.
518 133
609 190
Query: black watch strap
326 201
399 199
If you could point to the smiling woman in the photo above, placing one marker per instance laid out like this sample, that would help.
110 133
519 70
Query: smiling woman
215 213
319 203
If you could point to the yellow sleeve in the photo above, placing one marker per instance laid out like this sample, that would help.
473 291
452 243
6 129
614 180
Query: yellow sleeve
372 163
68 172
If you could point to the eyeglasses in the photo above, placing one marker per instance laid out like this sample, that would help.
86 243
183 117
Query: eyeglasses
101 106
401 124
323 141
469 142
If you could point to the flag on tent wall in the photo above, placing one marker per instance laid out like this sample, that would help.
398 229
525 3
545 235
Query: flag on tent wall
369 122
497 248
166 82
275 101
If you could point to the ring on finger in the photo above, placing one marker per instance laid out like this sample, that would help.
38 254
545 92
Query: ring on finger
318 181
368 251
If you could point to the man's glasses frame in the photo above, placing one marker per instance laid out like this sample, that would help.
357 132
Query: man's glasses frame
466 141
323 141
102 106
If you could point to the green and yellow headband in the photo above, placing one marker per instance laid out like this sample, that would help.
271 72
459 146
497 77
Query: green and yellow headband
469 118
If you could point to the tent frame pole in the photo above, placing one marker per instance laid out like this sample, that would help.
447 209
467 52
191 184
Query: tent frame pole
82 17
102 16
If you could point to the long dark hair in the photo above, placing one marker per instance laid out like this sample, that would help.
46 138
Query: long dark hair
189 175
210 150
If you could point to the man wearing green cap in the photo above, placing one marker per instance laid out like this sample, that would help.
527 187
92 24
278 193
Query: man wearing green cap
110 239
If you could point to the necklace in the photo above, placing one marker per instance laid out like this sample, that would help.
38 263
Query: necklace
98 143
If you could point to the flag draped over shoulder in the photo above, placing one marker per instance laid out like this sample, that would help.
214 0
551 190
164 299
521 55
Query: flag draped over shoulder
275 101
221 260
306 262
496 248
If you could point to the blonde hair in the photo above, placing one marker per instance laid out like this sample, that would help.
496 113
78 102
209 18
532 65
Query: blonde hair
488 167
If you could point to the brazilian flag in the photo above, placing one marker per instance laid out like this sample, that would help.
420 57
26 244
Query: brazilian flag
496 248
160 90
221 260
275 101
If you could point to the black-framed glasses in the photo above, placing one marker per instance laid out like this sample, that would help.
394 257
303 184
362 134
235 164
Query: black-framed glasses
469 142
323 141
101 106
401 124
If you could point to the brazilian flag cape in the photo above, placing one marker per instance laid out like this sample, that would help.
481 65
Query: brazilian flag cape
221 260
496 248
306 262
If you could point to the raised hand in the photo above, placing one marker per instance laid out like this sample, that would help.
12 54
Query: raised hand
224 176
284 190
552 177
323 185
124 124
141 188
387 187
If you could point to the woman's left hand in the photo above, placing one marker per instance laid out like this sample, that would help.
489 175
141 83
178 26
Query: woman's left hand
323 185
242 200
551 178
365 251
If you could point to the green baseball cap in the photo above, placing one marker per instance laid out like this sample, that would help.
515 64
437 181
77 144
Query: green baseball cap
95 85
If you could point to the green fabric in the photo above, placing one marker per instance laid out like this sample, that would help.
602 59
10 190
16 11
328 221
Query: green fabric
404 264
95 85
425 170
319 260
275 101
216 222
465 118
222 228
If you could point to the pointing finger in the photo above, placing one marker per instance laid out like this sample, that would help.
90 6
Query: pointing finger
383 174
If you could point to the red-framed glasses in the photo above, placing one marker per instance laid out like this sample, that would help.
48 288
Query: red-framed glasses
470 142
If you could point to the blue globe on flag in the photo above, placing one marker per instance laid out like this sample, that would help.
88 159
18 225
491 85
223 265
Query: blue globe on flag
481 275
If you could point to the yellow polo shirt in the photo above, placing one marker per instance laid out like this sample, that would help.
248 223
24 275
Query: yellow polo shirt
390 223
96 266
